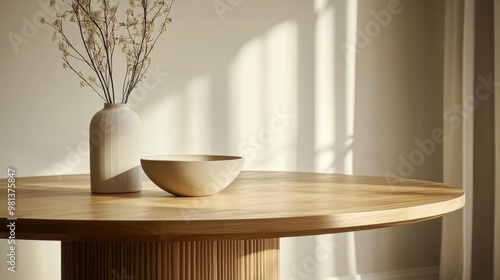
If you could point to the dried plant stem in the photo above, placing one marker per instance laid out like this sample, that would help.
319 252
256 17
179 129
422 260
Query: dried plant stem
100 31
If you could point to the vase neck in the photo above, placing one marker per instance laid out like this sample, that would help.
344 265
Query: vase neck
115 105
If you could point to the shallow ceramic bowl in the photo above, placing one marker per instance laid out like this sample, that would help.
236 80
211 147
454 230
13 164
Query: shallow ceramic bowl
192 175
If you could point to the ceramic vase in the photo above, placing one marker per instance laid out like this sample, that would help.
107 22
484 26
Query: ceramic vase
114 137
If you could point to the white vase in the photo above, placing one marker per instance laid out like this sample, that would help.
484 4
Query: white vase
114 137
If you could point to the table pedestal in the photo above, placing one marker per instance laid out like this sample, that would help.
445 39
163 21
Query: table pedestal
231 260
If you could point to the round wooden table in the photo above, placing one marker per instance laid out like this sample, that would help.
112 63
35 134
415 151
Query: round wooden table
232 235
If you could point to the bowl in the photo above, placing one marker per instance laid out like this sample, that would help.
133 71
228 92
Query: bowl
192 175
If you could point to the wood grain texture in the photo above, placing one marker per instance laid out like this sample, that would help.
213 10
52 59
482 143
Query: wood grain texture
209 260
256 205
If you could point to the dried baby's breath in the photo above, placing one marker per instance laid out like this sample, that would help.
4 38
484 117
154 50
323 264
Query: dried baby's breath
100 31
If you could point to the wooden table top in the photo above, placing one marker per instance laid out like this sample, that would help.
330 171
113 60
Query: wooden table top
256 205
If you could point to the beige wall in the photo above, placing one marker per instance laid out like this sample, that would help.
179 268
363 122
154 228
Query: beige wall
399 89
218 82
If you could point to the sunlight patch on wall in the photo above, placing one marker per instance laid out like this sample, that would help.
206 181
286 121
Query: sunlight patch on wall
179 122
161 123
263 97
281 90
325 91
197 115
350 69
245 95
320 5
335 87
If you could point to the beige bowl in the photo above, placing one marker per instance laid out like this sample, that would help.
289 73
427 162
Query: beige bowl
192 175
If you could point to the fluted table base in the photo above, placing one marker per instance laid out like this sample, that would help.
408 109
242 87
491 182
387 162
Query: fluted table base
231 260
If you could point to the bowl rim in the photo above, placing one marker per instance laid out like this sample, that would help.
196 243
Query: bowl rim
189 158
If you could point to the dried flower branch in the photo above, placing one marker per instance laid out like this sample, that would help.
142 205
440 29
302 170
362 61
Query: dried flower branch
101 31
